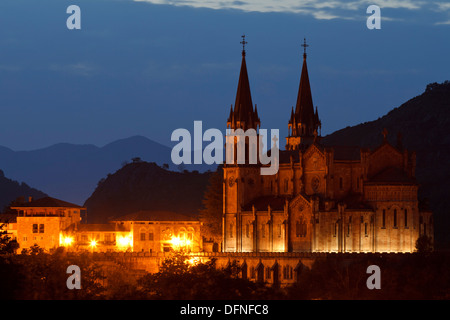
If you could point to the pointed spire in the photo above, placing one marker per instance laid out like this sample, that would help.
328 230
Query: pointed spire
304 109
304 122
243 106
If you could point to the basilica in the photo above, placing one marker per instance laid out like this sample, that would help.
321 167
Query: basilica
323 198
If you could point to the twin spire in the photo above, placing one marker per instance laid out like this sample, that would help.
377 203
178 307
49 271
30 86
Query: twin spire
243 116
304 122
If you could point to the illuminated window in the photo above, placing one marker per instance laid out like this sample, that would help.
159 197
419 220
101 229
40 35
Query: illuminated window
182 234
190 233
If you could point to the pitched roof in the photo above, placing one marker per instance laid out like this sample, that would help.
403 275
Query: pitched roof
8 217
346 152
392 175
48 202
97 227
147 215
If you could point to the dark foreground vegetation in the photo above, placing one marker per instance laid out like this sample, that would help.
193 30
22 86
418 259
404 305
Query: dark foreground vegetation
35 274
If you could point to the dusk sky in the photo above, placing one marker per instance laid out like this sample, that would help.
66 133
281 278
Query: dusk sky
150 67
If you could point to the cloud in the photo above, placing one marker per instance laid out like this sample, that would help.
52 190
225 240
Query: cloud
79 69
319 9
443 23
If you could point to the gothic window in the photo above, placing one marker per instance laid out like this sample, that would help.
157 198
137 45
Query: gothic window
300 228
406 218
247 230
365 230
348 230
231 230
315 182
263 230
279 230
395 218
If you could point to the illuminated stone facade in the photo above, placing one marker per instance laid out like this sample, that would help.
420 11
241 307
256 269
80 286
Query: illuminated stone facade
323 198
161 231
41 222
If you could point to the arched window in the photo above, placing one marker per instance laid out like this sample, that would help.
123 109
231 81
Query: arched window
190 233
182 234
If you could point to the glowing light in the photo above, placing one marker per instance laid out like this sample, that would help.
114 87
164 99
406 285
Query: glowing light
68 241
193 261
93 243
175 241
124 241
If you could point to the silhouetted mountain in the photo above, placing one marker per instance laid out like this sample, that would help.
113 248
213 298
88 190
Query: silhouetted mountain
146 186
70 172
10 190
424 124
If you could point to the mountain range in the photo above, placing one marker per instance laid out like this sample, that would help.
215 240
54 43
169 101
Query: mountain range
71 172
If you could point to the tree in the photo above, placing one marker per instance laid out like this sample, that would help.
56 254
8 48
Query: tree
6 244
180 278
211 214
424 244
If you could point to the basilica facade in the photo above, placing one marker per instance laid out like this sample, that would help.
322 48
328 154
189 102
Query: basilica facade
323 198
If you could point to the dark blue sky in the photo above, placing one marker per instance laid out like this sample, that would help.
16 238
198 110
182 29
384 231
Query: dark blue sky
148 69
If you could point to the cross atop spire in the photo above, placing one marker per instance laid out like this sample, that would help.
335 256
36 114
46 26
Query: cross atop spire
243 42
304 45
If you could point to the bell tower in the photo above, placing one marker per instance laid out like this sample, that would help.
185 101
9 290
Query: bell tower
241 179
